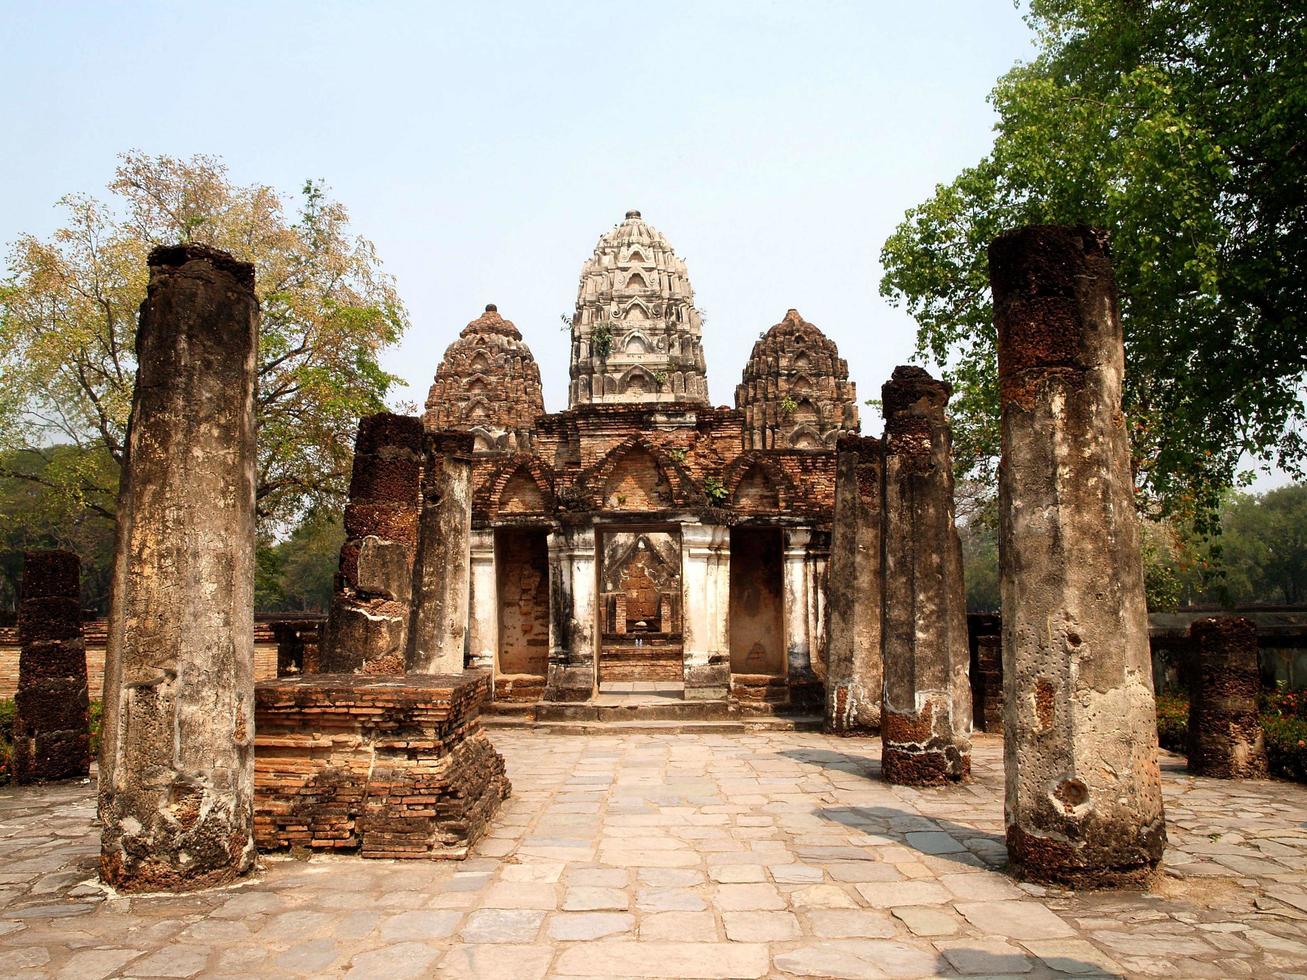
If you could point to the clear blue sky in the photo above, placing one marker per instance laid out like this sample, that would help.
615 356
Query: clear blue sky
485 146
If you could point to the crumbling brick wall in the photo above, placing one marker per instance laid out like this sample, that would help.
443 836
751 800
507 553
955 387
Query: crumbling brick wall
51 724
390 770
367 628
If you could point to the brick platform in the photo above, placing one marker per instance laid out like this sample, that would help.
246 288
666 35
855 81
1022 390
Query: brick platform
391 767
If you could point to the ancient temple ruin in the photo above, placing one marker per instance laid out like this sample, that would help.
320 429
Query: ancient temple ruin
643 535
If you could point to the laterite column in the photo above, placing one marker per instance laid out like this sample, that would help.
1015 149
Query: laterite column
925 723
438 633
51 722
367 626
854 675
177 757
1084 797
1225 736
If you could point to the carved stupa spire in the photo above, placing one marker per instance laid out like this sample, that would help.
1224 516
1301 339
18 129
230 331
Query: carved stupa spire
488 384
636 332
796 392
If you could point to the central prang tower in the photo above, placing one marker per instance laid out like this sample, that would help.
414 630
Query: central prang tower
636 332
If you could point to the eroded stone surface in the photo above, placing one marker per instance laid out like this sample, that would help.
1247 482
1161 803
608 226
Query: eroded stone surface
925 720
177 776
1084 801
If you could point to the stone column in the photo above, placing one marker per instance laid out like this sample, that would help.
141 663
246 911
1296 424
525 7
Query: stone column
1225 737
437 640
705 604
1084 800
51 721
818 613
176 756
925 723
367 626
483 624
796 616
573 591
854 672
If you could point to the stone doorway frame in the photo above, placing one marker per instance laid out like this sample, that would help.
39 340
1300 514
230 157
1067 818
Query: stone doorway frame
636 526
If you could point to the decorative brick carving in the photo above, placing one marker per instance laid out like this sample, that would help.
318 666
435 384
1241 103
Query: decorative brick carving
636 332
390 767
489 385
796 392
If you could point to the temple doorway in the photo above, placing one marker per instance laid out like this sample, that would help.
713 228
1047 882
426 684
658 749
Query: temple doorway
522 573
640 610
757 614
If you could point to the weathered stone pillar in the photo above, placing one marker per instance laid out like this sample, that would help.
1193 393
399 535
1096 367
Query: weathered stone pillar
706 598
1225 737
925 723
854 671
797 606
437 640
818 615
1084 800
572 595
51 720
483 624
367 626
176 757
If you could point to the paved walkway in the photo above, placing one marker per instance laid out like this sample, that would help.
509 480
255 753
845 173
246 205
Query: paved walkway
687 856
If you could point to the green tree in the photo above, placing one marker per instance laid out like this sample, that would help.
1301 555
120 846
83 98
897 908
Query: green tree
68 313
32 515
1178 126
1263 548
980 566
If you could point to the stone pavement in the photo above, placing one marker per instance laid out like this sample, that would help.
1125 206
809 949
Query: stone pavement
678 855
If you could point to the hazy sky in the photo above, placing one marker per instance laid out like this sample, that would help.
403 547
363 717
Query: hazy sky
484 147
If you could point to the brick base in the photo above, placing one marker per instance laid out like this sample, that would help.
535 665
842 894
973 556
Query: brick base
391 767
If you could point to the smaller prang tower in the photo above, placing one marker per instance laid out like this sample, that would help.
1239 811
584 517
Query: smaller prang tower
636 332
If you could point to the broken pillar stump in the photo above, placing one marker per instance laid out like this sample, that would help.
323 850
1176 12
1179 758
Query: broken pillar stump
925 723
389 767
442 566
176 760
1225 736
854 674
51 707
367 625
1084 799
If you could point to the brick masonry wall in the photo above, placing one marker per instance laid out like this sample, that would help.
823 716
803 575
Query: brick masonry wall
390 767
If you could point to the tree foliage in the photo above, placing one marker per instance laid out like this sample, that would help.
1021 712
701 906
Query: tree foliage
1264 546
32 516
297 574
1178 126
68 314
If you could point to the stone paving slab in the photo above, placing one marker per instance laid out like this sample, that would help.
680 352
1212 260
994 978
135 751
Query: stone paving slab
687 855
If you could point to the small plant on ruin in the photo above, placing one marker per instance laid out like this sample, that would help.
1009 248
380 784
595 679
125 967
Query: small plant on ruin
788 407
601 341
714 490
677 454
660 379
567 321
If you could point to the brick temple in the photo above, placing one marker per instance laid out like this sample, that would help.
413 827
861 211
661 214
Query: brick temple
643 534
